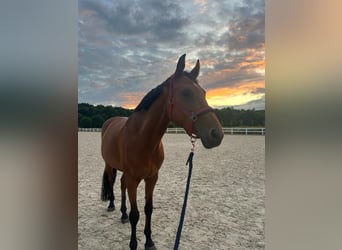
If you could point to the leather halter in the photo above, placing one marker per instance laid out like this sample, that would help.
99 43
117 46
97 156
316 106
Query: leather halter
192 115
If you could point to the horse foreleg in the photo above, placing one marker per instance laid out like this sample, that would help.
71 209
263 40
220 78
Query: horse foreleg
124 216
149 187
132 185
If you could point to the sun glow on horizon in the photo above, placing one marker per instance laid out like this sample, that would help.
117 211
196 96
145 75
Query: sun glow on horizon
233 100
238 95
219 97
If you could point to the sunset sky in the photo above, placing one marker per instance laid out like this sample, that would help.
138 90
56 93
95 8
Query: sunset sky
127 48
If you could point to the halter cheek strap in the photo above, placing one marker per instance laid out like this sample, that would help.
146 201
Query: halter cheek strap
193 115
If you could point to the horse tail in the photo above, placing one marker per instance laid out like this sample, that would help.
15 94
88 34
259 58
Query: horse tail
105 190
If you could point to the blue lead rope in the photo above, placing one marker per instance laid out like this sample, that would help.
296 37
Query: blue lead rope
180 226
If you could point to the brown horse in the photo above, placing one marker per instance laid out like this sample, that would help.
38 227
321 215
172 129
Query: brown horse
133 145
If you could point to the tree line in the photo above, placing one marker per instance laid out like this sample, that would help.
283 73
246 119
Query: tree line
90 116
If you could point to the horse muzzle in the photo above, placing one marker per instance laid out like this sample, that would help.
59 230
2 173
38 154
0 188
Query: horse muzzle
211 137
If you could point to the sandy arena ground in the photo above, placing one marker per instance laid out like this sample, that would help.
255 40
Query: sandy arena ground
226 206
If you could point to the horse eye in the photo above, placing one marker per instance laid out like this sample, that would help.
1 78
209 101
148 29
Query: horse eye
186 93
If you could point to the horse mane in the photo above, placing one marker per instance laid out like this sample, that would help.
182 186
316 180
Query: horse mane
150 97
154 93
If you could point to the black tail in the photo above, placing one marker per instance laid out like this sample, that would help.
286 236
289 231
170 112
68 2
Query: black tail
105 191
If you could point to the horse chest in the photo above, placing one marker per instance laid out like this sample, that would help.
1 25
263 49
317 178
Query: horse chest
143 164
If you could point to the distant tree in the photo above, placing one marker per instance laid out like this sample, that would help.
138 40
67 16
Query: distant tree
94 116
97 121
80 116
86 122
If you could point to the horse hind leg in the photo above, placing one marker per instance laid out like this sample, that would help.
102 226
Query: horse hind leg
111 206
108 181
123 209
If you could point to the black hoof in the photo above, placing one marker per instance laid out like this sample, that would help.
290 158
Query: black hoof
110 209
150 245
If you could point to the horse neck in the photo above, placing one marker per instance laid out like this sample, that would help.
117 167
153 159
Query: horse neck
150 125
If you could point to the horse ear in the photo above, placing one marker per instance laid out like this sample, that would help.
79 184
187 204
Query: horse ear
195 71
180 66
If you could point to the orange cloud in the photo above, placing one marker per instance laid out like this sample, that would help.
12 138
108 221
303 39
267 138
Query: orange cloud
250 60
236 95
241 90
256 64
131 100
207 63
218 97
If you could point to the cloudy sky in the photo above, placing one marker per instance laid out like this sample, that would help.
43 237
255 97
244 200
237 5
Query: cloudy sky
128 47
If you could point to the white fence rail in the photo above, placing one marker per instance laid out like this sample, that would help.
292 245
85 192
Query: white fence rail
89 129
232 131
245 131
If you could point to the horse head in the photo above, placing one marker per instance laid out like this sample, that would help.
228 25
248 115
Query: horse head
188 107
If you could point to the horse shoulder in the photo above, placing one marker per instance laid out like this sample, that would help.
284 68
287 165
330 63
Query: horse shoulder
139 161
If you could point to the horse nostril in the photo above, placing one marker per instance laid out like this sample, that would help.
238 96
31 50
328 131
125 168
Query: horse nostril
214 133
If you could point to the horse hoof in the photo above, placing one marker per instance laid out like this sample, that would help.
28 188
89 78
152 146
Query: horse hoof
110 209
124 220
151 248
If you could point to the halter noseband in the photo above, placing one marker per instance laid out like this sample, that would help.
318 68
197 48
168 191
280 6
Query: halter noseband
193 115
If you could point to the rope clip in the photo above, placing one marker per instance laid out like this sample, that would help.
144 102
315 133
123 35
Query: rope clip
193 139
